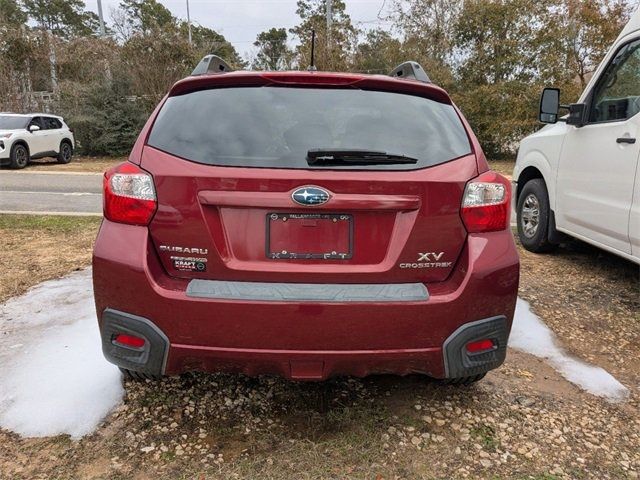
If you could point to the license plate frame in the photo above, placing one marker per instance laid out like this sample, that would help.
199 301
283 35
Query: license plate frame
334 218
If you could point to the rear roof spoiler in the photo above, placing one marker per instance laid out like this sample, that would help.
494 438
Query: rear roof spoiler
211 64
410 70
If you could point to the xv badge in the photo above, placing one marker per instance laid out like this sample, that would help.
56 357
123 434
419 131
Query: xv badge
430 256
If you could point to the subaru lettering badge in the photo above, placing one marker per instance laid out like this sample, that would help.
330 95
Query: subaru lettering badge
310 196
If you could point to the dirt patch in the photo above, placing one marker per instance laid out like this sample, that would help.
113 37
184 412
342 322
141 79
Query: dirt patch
39 248
77 164
591 300
522 421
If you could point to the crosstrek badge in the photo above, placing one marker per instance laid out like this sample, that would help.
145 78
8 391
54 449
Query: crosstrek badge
428 260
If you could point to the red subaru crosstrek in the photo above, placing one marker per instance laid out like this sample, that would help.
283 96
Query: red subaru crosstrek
306 224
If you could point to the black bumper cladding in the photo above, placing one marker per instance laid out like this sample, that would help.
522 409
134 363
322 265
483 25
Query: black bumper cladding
459 363
150 359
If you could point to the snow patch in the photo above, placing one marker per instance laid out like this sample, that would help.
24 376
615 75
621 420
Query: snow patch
53 377
531 335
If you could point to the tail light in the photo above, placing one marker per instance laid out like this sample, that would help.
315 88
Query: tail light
486 203
129 195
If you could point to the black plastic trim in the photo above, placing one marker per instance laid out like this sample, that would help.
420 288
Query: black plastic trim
49 153
150 359
553 234
459 363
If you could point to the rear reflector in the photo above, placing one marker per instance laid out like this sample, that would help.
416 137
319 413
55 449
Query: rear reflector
129 340
129 195
485 205
480 346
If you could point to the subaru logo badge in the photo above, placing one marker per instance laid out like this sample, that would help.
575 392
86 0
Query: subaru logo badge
310 196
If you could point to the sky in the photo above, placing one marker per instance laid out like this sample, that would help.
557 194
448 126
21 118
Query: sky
241 20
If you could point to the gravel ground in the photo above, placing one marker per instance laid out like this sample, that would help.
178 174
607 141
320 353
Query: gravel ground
522 421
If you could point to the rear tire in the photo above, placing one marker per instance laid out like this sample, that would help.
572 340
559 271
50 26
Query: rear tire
533 213
463 381
66 152
138 376
19 156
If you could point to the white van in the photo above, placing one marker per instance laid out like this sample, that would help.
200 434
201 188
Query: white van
580 175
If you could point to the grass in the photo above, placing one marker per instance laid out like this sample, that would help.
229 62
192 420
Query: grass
40 248
504 167
51 224
78 164
487 436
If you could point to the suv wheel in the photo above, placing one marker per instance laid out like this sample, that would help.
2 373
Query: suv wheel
19 156
533 217
66 152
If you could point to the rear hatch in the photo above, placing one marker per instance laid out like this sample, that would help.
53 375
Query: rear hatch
308 183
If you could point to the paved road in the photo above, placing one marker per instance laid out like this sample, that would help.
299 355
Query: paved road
50 193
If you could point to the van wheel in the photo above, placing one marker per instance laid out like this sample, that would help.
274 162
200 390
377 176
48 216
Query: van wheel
463 381
66 152
138 376
19 156
533 217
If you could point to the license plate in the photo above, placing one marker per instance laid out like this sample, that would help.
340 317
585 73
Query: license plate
311 236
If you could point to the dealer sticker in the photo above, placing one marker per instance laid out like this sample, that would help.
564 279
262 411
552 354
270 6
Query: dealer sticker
189 264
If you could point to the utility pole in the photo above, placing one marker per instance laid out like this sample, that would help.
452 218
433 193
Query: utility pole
329 25
329 21
103 32
103 35
189 22
52 62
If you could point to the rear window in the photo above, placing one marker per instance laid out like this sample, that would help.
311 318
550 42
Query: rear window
274 127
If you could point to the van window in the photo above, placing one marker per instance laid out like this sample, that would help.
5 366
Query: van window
617 94
276 126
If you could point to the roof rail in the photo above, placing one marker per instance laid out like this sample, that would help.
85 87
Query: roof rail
211 64
411 70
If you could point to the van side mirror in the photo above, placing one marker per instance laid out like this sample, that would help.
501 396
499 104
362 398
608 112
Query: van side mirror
33 128
549 105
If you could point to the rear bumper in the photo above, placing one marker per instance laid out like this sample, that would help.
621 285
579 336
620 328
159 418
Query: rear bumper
303 339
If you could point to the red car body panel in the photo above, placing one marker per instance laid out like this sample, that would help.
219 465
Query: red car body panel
271 337
222 210
221 204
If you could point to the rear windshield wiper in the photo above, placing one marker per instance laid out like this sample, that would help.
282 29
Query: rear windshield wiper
323 157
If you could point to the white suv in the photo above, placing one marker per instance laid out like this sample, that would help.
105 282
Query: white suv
580 175
38 135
